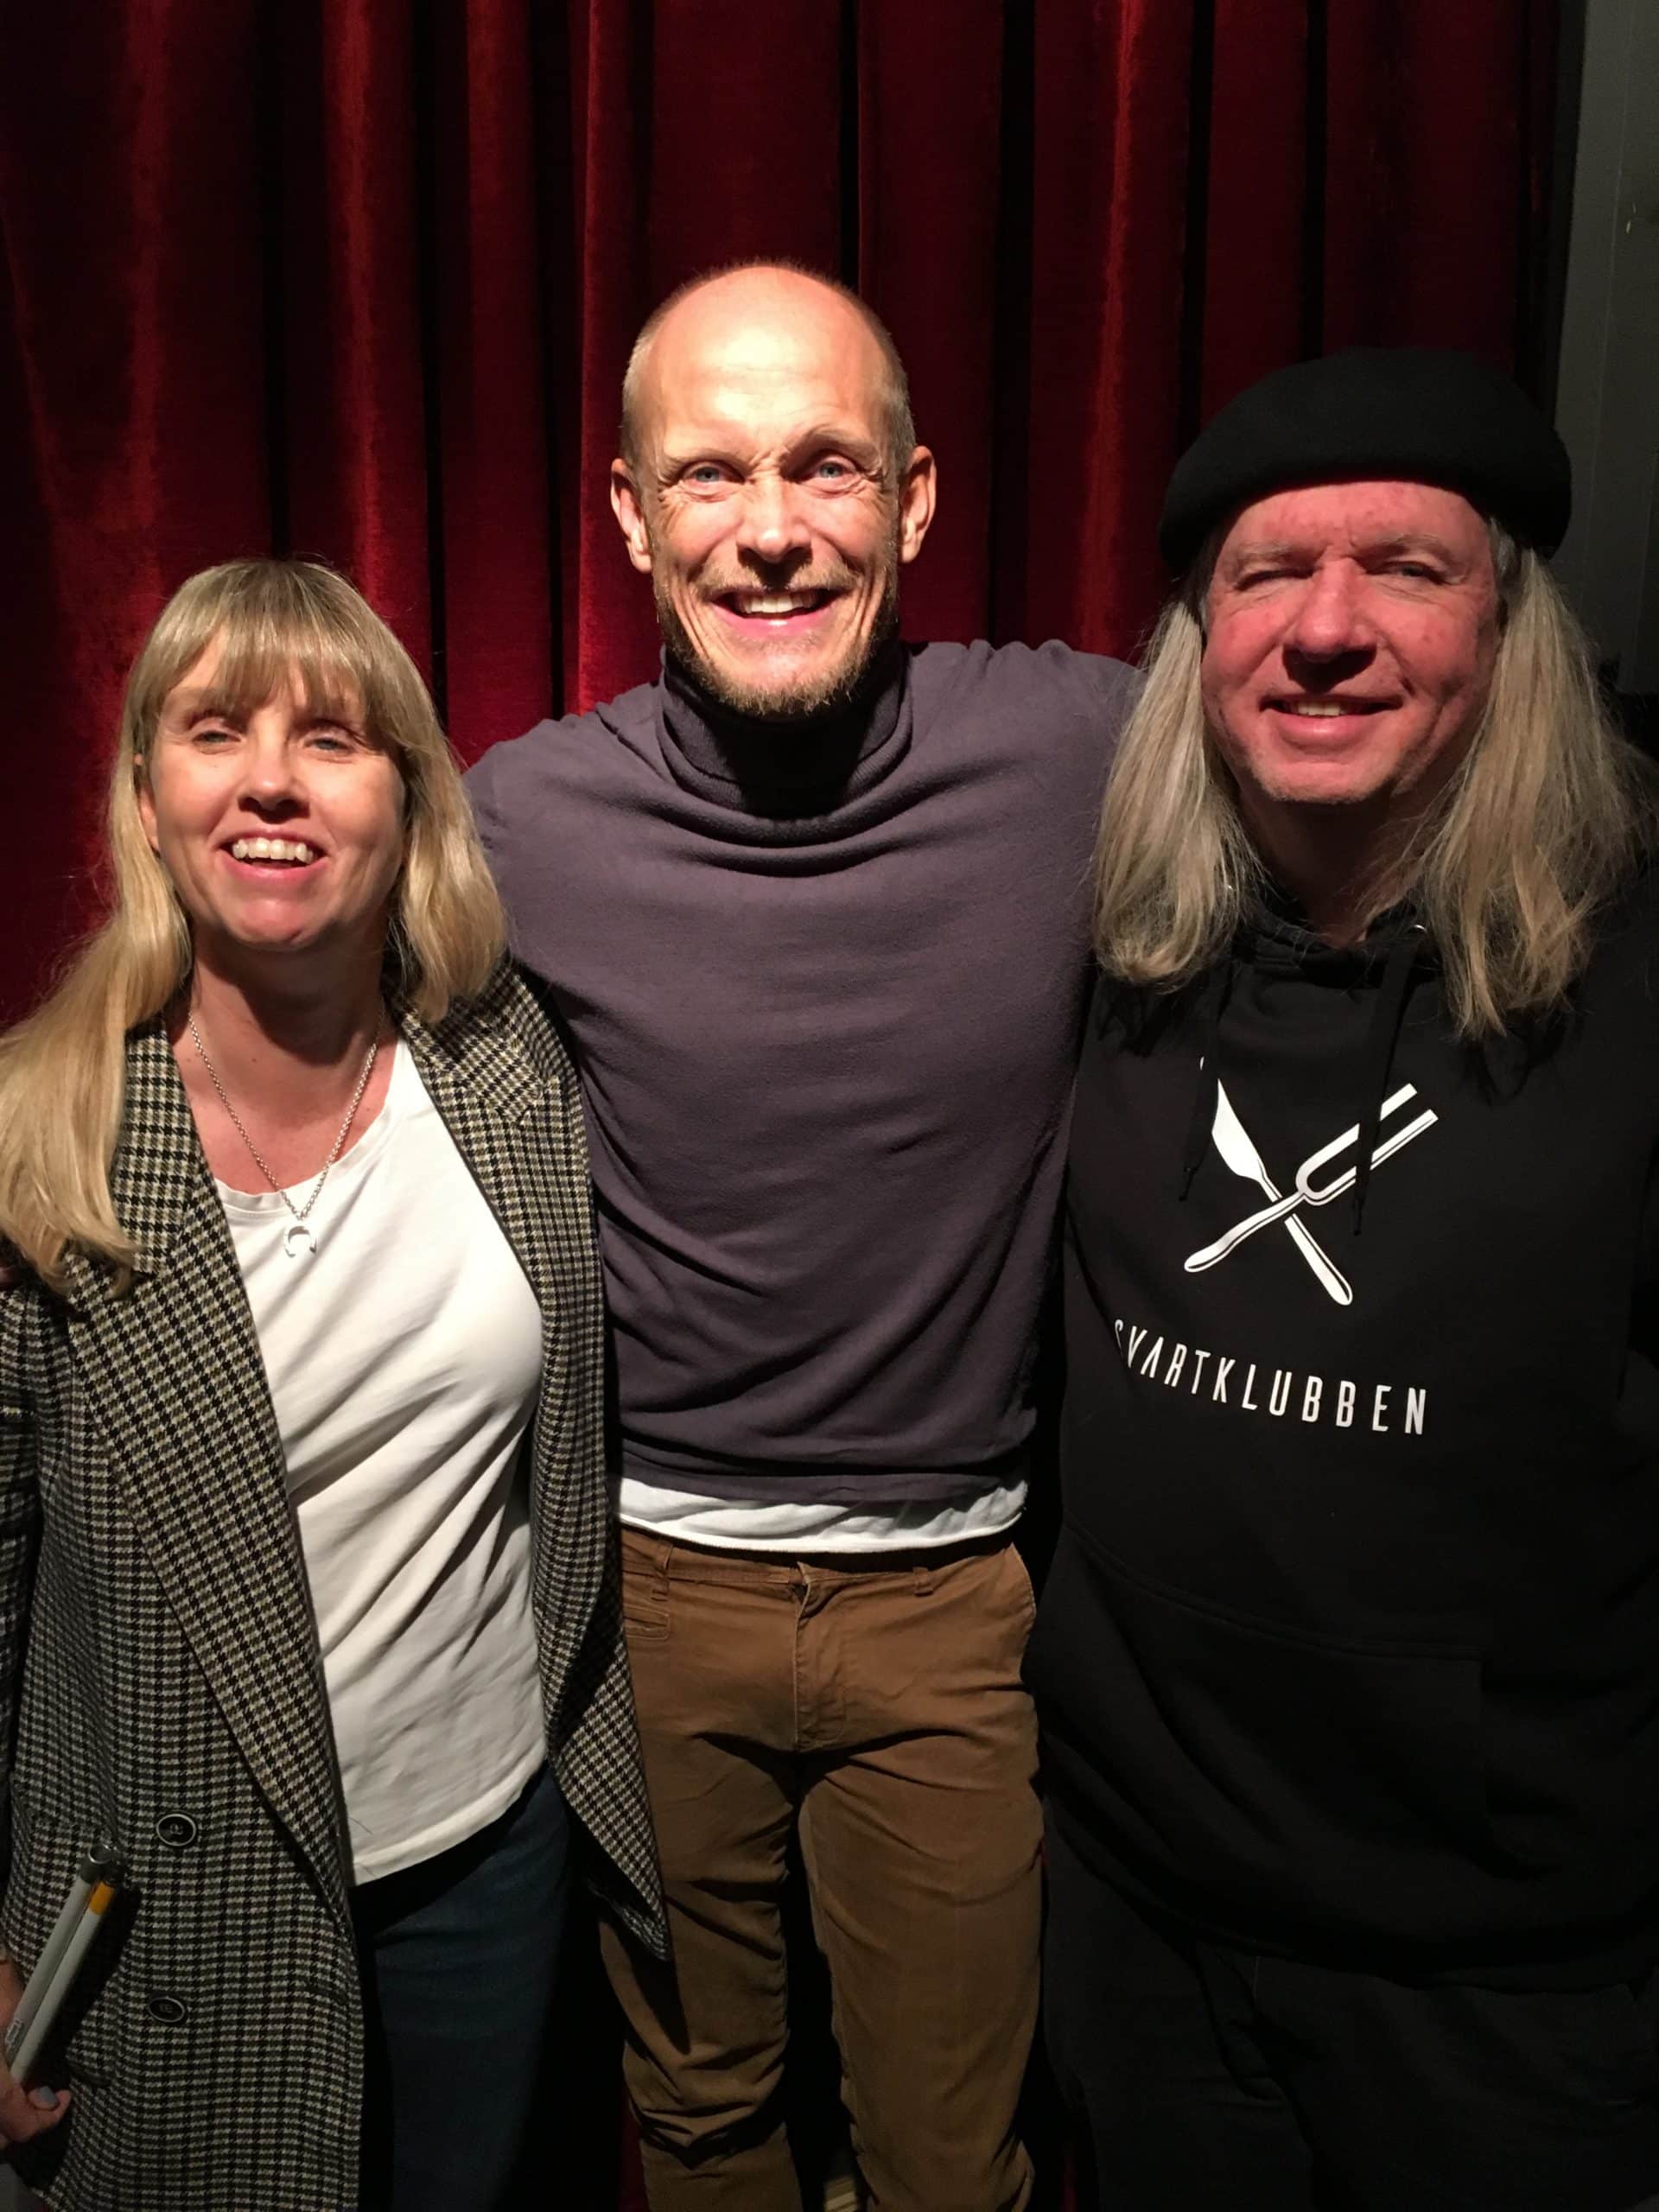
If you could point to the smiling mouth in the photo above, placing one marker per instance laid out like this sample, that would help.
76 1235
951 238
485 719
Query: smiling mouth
279 852
1327 709
774 605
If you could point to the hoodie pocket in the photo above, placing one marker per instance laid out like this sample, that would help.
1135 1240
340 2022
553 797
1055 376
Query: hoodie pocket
1303 1774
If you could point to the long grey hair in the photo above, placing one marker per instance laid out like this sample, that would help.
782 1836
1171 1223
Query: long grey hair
1543 820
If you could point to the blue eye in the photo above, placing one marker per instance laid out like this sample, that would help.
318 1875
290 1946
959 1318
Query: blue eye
332 736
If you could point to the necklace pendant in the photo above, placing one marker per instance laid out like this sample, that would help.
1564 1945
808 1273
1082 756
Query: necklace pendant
295 1235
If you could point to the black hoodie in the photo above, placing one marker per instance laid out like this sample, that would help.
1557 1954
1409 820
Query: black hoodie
1351 1647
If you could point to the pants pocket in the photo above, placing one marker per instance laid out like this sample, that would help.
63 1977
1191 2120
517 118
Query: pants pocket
1025 1593
644 1595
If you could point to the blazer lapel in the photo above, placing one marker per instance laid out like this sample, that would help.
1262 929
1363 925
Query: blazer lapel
175 1373
481 1081
527 1154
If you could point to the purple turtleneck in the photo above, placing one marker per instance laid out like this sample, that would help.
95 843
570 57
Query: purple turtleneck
824 990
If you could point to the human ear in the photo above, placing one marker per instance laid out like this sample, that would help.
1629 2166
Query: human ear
629 508
145 798
918 490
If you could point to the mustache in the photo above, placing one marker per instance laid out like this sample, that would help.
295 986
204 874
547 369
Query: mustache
838 580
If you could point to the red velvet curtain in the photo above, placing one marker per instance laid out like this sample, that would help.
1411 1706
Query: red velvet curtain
357 278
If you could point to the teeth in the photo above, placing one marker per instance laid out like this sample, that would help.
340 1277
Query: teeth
272 848
1323 707
774 602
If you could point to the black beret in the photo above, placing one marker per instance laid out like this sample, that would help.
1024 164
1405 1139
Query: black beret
1405 413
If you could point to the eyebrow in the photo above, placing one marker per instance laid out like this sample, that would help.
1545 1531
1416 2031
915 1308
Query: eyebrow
214 705
1371 548
838 435
208 705
821 437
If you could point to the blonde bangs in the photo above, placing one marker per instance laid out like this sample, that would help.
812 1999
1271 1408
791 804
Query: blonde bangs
277 625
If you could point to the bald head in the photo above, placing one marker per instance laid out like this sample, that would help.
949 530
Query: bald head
770 487
764 319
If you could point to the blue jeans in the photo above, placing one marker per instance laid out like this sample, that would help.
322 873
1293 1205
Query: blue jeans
459 1957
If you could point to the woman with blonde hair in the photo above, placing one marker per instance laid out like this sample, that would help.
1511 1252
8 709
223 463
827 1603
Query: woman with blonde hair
307 1605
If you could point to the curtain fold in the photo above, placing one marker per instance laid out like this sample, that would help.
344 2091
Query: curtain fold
357 278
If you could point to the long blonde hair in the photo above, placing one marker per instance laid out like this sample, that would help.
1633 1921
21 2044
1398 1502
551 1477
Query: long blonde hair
1544 819
63 1070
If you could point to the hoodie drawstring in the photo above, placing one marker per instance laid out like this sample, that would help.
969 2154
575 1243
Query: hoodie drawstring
1211 1006
1388 1013
1380 1040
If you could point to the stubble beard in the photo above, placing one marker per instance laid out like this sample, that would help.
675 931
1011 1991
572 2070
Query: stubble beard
817 697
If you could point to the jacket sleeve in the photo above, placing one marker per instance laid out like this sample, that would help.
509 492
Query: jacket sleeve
20 1514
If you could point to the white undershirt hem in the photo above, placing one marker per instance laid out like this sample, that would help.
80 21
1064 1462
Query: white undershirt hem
739 1524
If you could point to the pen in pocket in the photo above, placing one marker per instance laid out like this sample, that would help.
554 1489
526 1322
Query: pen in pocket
91 1894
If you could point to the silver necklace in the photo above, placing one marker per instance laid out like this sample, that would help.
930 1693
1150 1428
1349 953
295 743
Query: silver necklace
297 1233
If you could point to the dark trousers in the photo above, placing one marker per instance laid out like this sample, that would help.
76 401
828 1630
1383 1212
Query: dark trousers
458 1958
874 1714
1203 2075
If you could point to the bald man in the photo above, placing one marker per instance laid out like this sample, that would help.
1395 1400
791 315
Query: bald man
812 910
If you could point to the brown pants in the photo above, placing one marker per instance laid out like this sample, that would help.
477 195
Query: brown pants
878 1711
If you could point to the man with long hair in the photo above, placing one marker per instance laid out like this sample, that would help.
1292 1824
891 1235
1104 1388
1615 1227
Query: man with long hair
814 909
1349 1658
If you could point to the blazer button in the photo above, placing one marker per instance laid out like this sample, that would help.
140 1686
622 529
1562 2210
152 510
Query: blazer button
167 2011
176 1830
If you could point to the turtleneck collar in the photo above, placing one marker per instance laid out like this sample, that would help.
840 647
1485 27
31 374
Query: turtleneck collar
784 770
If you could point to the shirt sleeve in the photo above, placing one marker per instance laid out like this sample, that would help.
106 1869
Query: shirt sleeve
1112 687
480 782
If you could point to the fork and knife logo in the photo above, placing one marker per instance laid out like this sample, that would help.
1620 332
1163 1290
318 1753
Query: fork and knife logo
1315 1184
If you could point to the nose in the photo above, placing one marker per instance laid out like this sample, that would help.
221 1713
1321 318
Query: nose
773 525
270 778
1331 620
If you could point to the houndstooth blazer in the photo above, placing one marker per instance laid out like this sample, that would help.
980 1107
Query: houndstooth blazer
160 1676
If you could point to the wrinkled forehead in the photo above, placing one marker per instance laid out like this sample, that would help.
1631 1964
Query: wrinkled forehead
1353 514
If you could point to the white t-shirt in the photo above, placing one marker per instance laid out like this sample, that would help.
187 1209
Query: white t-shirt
404 1357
